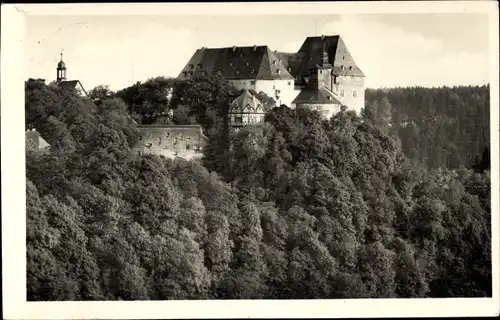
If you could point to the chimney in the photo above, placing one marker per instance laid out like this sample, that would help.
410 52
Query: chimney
322 37
254 48
234 48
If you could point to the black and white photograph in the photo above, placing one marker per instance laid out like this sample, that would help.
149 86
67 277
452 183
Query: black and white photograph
276 154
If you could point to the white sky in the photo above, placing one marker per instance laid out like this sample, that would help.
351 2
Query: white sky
391 49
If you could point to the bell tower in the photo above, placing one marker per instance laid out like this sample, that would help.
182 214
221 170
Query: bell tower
61 70
321 74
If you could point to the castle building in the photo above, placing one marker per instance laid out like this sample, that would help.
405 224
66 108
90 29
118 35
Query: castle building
171 141
256 68
245 109
322 74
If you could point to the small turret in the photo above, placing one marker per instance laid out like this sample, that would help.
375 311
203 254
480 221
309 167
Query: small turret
61 70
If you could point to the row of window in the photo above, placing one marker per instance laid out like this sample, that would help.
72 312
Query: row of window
354 93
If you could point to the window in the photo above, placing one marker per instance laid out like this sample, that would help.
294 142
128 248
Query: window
350 67
190 66
252 71
289 83
342 67
200 66
237 71
279 71
219 72
320 71
341 93
252 82
185 73
354 93
329 98
230 64
247 64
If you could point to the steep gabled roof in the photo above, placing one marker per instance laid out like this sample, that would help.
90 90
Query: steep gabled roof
34 141
73 84
309 55
236 63
243 101
316 96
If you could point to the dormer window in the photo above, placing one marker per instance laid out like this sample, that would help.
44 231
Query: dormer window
247 64
289 69
185 73
190 66
350 67
237 71
203 73
329 98
230 64
190 73
219 72
252 71
341 67
279 71
200 66
241 55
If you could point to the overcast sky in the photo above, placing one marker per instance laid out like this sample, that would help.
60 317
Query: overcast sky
392 50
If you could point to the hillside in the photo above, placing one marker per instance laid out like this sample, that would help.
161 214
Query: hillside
440 127
297 208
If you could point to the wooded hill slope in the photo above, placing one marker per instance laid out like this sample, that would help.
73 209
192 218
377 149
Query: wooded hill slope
297 207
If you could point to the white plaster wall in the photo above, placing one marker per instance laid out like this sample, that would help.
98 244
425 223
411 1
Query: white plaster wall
287 88
327 110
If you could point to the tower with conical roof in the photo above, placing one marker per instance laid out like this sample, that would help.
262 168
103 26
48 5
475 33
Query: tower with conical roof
61 70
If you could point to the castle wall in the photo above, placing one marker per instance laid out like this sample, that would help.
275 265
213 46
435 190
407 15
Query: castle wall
185 154
327 110
286 87
351 91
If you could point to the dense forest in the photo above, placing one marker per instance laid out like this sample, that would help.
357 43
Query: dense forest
297 207
441 127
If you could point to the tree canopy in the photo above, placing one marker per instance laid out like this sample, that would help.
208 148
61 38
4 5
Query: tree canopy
297 207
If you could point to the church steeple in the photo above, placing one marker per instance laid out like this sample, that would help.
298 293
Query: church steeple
61 70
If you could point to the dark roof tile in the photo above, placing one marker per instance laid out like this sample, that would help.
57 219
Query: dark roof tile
236 63
316 96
